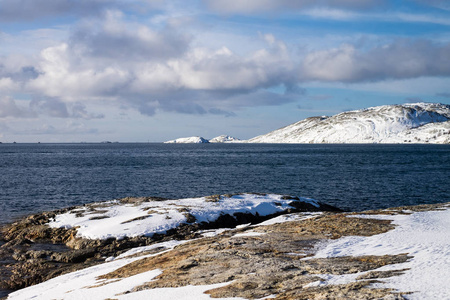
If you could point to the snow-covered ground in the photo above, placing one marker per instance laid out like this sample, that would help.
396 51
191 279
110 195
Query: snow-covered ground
406 123
118 220
84 284
423 235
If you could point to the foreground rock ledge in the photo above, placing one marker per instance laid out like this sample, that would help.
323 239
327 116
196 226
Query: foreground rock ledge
265 261
34 252
261 261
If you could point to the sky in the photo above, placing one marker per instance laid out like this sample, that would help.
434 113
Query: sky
154 70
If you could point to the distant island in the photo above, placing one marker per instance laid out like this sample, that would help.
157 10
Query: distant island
201 140
387 124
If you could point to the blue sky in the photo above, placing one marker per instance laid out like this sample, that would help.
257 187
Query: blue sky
153 70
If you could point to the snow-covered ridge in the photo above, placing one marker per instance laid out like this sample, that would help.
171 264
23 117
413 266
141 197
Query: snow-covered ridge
406 123
224 139
200 140
188 140
114 219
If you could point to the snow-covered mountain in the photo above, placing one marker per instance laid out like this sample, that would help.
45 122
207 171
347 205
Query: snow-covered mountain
406 123
224 139
188 140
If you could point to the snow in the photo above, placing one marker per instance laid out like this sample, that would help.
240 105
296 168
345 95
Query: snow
290 217
224 139
189 140
84 284
81 284
186 293
249 234
200 140
423 235
118 220
407 123
163 246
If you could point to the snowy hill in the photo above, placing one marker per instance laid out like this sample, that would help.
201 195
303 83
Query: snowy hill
224 139
199 140
188 140
406 123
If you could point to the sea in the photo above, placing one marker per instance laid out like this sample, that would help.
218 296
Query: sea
42 177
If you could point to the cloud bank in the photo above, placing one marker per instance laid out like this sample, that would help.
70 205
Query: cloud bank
126 62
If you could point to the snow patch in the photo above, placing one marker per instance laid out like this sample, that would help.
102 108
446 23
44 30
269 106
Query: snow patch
118 220
423 235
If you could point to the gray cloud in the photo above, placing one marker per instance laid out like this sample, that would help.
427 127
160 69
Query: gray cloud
200 81
9 108
163 69
257 6
122 42
218 111
29 10
21 74
55 108
401 59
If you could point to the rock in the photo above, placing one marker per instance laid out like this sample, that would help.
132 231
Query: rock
255 266
258 266
75 256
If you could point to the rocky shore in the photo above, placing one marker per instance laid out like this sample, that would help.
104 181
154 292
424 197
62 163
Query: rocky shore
32 252
275 259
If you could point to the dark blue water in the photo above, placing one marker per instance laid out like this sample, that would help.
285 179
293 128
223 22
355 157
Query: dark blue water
38 177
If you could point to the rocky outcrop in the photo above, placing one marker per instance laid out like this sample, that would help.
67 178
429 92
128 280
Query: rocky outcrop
254 261
40 252
271 260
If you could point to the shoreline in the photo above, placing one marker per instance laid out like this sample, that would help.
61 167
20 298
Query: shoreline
34 251
80 258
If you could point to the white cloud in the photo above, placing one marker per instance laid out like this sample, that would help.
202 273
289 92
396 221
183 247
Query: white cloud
333 14
7 85
126 63
178 81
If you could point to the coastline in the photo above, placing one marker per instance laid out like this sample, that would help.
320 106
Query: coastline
292 243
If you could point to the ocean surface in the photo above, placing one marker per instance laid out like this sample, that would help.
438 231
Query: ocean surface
39 177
